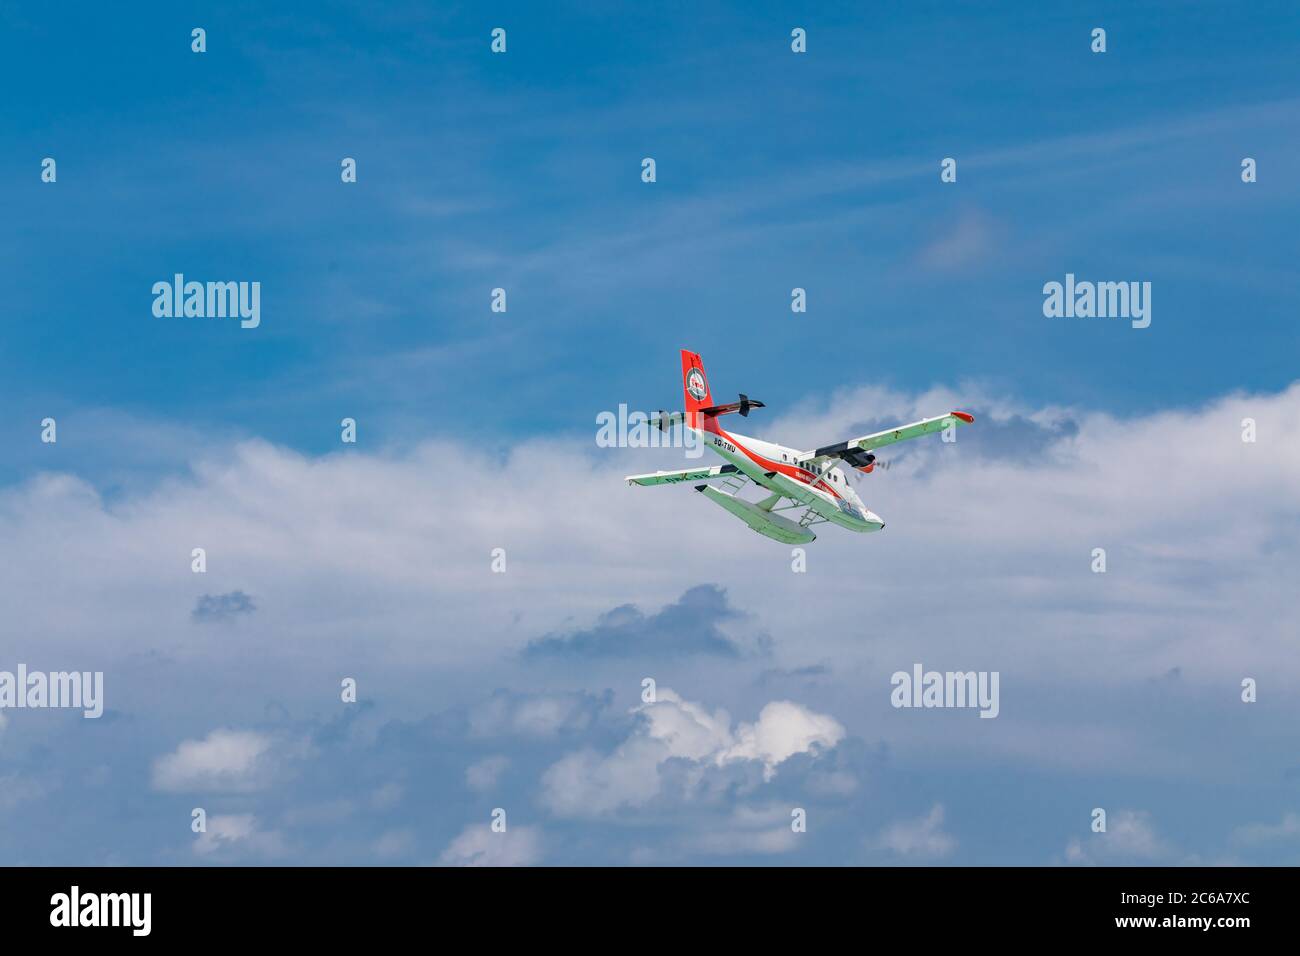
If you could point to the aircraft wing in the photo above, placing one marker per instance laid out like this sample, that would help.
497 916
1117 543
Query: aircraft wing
677 477
855 449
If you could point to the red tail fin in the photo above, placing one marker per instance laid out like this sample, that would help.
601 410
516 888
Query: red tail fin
695 385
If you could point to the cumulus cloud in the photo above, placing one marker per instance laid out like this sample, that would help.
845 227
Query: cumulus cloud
225 760
1130 838
369 561
342 542
238 836
588 783
920 839
478 845
782 730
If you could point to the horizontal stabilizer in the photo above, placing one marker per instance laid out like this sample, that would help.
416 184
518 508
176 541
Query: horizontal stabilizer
743 406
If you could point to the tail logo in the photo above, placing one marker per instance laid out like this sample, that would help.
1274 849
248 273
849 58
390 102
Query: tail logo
695 386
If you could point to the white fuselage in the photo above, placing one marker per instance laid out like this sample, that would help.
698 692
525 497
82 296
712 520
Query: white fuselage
792 474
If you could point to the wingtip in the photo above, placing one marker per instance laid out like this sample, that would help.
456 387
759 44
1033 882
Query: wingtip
964 416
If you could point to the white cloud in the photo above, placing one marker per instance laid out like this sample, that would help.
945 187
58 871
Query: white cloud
782 730
586 783
225 760
1130 837
238 835
532 715
921 839
1194 521
478 845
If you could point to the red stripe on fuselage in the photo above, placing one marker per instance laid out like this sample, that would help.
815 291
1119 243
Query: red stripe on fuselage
790 471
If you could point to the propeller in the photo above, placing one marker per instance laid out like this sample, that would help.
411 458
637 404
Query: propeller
867 469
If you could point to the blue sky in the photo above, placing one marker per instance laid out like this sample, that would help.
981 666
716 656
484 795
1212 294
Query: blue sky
522 171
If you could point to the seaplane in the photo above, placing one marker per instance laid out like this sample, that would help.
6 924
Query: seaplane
810 482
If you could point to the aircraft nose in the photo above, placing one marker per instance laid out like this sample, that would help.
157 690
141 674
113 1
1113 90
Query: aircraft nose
874 519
